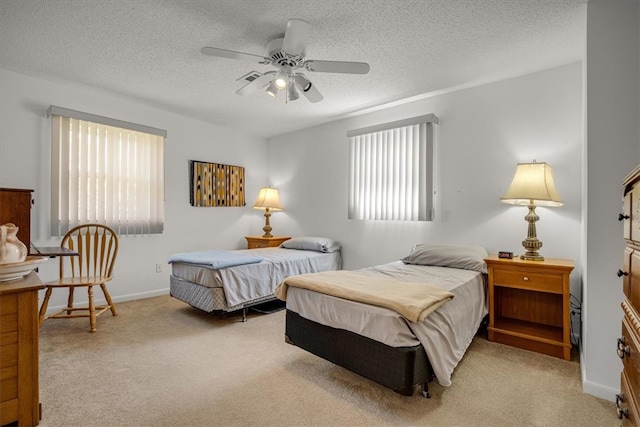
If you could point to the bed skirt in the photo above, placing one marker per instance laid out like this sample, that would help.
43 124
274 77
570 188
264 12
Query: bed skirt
402 369
204 298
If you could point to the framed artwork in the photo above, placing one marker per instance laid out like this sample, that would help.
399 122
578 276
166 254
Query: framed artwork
215 184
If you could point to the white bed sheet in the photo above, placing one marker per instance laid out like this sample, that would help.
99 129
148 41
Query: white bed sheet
445 334
249 282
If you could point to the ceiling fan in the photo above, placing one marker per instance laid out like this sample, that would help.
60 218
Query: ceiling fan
287 54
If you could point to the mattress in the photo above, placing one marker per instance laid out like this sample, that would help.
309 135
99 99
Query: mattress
232 288
445 334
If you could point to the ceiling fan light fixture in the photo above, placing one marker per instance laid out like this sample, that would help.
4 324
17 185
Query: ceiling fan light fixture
272 89
292 92
302 82
282 77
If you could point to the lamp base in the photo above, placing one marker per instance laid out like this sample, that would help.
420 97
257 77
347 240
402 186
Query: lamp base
532 256
531 244
267 227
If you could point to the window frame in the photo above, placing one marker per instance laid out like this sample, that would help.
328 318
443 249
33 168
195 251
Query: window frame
408 195
149 170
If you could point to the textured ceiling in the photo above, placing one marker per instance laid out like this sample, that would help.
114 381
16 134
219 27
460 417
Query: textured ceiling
149 50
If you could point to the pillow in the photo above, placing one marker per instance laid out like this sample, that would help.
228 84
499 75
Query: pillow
318 244
463 257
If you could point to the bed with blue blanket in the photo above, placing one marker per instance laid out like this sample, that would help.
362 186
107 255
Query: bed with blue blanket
226 281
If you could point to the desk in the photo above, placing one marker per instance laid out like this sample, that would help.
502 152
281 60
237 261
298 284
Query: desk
52 251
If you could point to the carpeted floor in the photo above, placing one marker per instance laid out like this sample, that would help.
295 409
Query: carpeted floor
163 363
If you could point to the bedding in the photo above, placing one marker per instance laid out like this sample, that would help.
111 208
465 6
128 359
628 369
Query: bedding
413 300
243 285
214 259
443 335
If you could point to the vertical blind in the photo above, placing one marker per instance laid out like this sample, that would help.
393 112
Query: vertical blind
391 171
106 174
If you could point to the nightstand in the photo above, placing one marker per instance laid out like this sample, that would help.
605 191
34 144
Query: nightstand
529 304
254 242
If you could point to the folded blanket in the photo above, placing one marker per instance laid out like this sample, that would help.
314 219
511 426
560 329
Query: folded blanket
413 300
214 258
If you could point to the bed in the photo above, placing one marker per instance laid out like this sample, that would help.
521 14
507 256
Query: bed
378 342
226 281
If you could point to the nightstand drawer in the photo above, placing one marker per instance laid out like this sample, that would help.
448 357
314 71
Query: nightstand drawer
522 279
258 244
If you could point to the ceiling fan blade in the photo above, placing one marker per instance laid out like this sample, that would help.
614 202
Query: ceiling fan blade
231 54
295 37
307 88
258 83
337 67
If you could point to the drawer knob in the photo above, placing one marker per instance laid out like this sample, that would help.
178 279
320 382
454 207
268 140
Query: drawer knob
622 217
525 278
621 273
622 350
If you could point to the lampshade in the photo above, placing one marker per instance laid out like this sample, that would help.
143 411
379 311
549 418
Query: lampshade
532 182
269 201
268 198
532 186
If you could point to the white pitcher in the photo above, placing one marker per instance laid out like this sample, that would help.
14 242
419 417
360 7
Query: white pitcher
11 249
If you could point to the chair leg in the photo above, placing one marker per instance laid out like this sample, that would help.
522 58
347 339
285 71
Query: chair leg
92 310
70 299
112 306
43 308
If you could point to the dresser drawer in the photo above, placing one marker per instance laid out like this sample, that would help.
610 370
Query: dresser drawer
631 276
523 279
628 347
626 405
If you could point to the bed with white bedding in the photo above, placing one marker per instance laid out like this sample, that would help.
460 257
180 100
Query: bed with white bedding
382 344
225 281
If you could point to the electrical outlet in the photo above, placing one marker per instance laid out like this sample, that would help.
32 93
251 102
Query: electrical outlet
158 268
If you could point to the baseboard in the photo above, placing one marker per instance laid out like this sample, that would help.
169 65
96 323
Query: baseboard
596 389
122 298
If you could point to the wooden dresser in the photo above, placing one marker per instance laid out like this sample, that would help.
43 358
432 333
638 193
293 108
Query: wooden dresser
628 345
15 207
19 384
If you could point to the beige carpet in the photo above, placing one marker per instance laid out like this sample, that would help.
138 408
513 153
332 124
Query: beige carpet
163 363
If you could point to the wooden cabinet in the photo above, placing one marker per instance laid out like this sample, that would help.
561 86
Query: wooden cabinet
19 386
628 345
15 207
529 304
254 242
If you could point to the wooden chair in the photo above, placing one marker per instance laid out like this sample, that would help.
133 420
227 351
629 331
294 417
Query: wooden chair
97 247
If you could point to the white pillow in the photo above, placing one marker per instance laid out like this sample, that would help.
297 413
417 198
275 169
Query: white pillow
463 257
318 244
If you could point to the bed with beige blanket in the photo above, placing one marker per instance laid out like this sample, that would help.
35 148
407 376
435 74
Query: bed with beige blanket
400 324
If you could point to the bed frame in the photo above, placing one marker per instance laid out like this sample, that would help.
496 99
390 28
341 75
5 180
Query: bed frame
211 300
402 369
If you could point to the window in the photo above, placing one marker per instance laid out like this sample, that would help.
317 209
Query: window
391 170
105 171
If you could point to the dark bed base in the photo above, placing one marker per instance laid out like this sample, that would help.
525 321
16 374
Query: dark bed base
402 369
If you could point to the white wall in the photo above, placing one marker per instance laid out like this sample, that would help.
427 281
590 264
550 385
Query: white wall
25 163
483 133
612 150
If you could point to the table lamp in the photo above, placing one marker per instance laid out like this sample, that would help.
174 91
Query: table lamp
269 201
532 186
